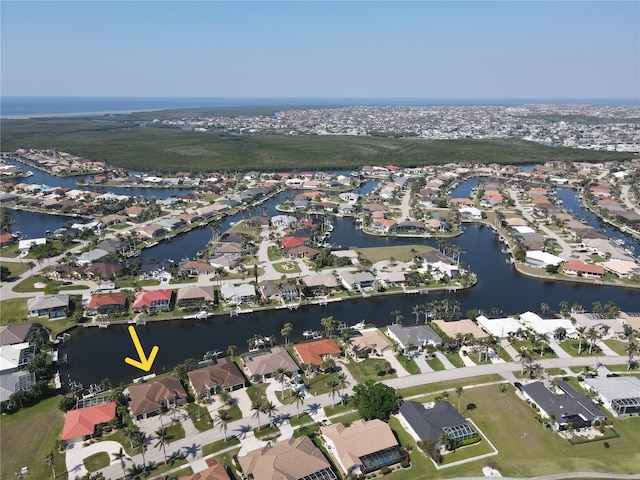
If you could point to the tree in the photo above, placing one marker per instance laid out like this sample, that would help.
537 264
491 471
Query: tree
280 375
49 458
130 432
122 456
631 349
286 331
329 324
135 471
459 391
397 315
140 441
5 273
333 389
231 350
375 400
342 382
256 406
224 396
298 397
162 434
593 335
222 420
581 331
417 310
269 408
544 307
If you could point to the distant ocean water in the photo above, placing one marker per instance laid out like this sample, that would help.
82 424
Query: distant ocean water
24 107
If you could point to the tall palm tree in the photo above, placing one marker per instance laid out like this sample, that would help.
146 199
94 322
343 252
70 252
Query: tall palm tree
397 314
417 310
231 350
269 408
333 389
223 418
140 441
329 324
286 331
256 406
544 307
459 391
525 358
224 396
593 336
280 375
122 456
343 382
581 331
298 397
130 432
162 434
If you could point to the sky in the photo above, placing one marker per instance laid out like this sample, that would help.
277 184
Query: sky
358 49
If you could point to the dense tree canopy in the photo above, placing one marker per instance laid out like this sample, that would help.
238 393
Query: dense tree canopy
375 400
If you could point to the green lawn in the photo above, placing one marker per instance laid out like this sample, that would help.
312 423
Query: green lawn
449 385
317 385
27 436
97 461
347 419
226 459
214 447
16 268
274 253
617 346
402 253
257 391
13 311
266 431
435 363
367 369
202 422
303 419
28 284
286 267
175 432
409 364
455 359
571 347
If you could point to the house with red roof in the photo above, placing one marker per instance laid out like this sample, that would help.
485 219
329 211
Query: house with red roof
290 242
581 269
104 303
152 301
81 424
6 239
315 352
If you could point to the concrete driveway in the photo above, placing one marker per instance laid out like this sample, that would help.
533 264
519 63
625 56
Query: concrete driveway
76 454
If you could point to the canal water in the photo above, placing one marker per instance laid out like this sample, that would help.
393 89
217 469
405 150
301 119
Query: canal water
98 353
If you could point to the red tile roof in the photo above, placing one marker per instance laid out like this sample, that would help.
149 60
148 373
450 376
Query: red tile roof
578 266
313 352
288 242
83 421
101 299
145 297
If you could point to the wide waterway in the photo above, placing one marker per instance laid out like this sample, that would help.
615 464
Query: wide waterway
98 353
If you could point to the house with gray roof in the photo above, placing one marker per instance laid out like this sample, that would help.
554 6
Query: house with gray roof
418 335
357 280
562 404
264 363
49 306
12 334
621 395
424 422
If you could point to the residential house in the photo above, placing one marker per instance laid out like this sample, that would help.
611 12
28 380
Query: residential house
237 294
293 459
196 267
194 298
562 404
279 291
152 301
417 336
320 283
621 394
363 447
369 341
80 424
12 334
50 306
104 303
147 399
313 353
224 374
430 421
263 364
6 239
357 280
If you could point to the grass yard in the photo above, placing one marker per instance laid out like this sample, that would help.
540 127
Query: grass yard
257 391
203 422
27 436
274 253
571 347
266 431
449 385
226 459
409 364
402 253
175 432
13 311
214 447
303 419
368 369
97 461
16 268
435 363
286 267
347 419
617 346
455 359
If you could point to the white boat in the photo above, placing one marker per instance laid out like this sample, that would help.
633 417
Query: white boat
359 325
308 334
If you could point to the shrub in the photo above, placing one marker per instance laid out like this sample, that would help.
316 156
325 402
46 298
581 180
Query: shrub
606 444
405 463
385 470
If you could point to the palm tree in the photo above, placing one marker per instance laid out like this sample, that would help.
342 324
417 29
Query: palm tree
397 314
135 471
256 406
140 441
417 310
224 396
631 349
593 335
280 375
329 324
333 389
526 358
298 397
560 333
544 307
49 458
162 435
130 432
581 330
286 331
459 391
223 419
269 408
231 350
122 456
343 382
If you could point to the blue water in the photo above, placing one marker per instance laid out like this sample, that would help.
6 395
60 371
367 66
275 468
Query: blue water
59 106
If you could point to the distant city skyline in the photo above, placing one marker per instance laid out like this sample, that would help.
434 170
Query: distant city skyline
447 50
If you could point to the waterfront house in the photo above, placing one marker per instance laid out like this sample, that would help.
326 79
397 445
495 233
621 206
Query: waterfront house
6 239
292 459
50 306
105 303
89 257
369 341
147 399
418 336
263 364
621 394
363 447
152 230
383 225
194 298
152 301
224 374
313 353
562 404
429 422
12 334
357 280
537 258
622 268
499 327
320 283
465 327
80 424
236 294
283 291
196 267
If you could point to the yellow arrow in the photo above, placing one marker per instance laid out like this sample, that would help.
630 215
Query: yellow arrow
145 362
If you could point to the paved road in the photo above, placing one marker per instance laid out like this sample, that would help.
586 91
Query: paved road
624 196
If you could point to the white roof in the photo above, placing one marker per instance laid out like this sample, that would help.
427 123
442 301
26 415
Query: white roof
611 388
544 257
499 327
523 229
243 290
27 244
10 355
546 326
